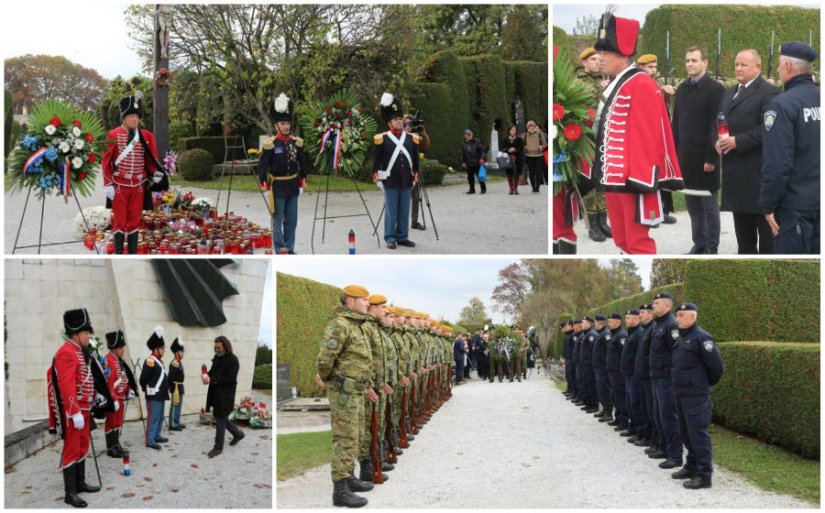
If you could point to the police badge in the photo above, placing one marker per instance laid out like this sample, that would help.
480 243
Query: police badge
770 117
708 345
621 340
674 334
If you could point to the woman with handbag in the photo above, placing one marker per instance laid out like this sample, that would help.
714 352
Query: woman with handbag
534 145
513 146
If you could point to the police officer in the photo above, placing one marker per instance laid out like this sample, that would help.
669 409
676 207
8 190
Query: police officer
600 370
588 340
789 194
569 366
344 368
618 336
283 171
633 397
578 398
664 334
652 435
697 367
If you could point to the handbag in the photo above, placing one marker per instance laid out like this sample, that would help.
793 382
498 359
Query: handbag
482 173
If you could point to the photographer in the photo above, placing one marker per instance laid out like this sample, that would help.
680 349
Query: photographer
415 125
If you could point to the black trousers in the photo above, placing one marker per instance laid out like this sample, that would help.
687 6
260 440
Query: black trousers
753 234
667 202
472 173
223 424
535 164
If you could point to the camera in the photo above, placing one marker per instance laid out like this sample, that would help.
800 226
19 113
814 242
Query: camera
416 123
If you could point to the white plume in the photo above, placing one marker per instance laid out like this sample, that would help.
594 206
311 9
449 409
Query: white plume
138 95
387 99
282 103
159 330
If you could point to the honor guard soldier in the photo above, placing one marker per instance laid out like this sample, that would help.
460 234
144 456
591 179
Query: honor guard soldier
154 383
283 171
130 171
635 157
664 334
600 369
618 336
789 195
71 392
697 367
345 369
123 387
635 408
588 338
176 377
395 166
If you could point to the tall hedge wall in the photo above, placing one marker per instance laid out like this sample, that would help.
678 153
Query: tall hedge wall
743 26
486 94
530 82
624 304
776 300
771 390
562 40
303 310
213 144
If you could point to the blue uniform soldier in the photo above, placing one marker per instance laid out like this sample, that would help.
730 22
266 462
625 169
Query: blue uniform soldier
600 370
652 432
615 343
588 380
789 194
697 367
154 383
627 366
662 337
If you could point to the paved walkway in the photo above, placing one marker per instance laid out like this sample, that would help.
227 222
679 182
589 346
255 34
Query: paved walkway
522 445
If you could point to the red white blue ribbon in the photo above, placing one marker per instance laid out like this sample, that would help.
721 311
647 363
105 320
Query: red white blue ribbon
66 177
336 145
32 158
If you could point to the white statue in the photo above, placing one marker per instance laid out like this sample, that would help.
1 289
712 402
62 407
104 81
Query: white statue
163 17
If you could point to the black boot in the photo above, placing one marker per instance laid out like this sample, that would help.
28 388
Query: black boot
342 496
119 236
603 226
566 248
595 232
356 485
556 248
132 241
697 482
366 470
80 471
113 446
70 495
385 465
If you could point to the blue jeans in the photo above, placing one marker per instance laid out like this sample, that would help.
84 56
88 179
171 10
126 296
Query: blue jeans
154 423
284 222
174 413
665 401
397 215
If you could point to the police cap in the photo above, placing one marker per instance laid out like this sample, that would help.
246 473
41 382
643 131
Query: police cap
798 50
616 316
687 307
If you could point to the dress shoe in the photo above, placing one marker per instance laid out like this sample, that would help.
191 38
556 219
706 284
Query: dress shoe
696 250
156 447
658 455
614 422
625 432
591 409
711 251
697 482
600 414
470 192
214 452
175 428
669 219
606 418
683 473
671 463
391 245
161 440
236 439
418 226
643 443
408 243
651 449
631 439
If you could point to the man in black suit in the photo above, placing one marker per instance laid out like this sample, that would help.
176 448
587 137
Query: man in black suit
741 153
694 117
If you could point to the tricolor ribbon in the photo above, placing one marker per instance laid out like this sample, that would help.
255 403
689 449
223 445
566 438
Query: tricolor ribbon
66 177
336 145
32 158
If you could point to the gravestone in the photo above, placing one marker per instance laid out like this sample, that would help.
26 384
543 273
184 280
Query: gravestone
283 387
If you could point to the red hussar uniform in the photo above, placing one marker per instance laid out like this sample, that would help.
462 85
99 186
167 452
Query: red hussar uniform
128 177
72 377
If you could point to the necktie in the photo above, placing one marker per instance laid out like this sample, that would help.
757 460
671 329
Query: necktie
741 87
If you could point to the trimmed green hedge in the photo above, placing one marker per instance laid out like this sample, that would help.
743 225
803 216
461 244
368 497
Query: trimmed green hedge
8 121
624 304
529 82
262 377
195 165
743 26
771 391
486 94
776 300
562 40
432 171
303 310
213 144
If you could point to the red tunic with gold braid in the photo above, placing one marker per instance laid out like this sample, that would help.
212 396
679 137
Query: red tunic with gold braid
119 386
135 167
76 385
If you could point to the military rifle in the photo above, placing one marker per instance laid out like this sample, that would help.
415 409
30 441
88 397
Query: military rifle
770 54
375 454
403 442
412 417
391 456
718 50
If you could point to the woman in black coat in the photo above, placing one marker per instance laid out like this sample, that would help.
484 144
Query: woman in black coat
222 380
513 146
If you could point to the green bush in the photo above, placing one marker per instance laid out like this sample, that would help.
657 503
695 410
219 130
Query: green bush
432 171
486 94
179 129
776 300
9 120
213 144
771 390
743 26
624 304
303 308
16 134
263 355
562 41
527 81
262 377
195 165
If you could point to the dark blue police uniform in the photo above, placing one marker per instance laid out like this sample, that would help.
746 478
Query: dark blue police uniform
790 160
600 371
569 366
697 366
588 340
633 395
579 374
613 360
664 334
651 432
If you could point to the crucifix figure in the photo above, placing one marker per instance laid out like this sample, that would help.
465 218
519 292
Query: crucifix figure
164 26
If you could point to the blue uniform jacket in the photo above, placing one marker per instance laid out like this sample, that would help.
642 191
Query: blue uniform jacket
631 347
284 160
401 175
790 149
176 375
697 363
588 340
600 349
575 339
614 349
150 377
641 367
664 335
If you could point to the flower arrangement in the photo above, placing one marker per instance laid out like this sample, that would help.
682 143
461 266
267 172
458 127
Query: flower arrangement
58 153
174 199
170 162
99 218
572 133
257 414
338 132
203 202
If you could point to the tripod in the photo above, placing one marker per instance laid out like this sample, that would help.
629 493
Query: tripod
325 216
423 190
40 243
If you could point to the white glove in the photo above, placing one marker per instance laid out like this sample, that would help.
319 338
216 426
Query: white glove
157 177
117 405
131 394
300 191
110 192
100 401
380 184
78 421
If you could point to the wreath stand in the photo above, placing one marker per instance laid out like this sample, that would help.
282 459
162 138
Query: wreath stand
40 243
325 216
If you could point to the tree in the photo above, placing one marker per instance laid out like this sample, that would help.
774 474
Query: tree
524 34
667 272
623 278
586 26
32 77
474 313
511 289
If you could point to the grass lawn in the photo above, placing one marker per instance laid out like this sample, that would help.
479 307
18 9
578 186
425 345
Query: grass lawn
300 452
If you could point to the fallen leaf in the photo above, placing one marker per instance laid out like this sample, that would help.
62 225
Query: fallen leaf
110 487
128 495
147 479
28 487
175 490
155 465
194 465
262 485
148 497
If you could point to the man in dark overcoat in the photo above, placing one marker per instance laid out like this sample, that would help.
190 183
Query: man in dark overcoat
222 379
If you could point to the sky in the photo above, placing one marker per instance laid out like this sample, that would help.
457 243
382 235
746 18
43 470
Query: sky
267 325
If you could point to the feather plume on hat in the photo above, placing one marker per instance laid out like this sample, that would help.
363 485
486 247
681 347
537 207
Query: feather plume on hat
387 99
282 103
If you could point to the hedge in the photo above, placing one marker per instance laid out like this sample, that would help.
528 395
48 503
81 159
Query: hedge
743 26
529 82
303 308
432 171
8 121
562 40
771 390
624 304
487 101
195 165
776 300
213 144
262 377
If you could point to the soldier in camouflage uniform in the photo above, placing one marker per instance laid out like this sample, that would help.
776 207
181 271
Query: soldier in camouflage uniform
391 373
594 82
345 369
415 357
404 371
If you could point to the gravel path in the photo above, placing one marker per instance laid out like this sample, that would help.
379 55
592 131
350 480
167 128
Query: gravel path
671 239
533 449
495 223
178 476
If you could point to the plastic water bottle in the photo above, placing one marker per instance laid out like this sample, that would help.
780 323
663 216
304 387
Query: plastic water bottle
722 126
351 240
126 470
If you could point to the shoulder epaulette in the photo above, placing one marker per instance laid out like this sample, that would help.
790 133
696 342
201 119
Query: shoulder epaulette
150 362
298 142
175 363
378 139
268 143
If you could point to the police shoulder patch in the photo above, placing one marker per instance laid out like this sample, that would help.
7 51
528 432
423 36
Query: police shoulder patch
150 362
768 119
607 337
622 340
590 339
674 334
708 345
332 343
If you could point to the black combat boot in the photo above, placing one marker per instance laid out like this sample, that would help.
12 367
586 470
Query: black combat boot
119 237
603 226
386 466
683 473
356 485
342 496
114 449
366 470
555 246
595 232
566 248
70 495
132 242
697 482
80 471
607 417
